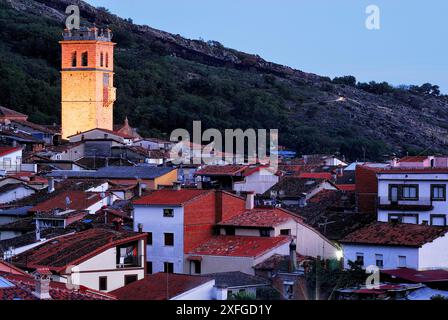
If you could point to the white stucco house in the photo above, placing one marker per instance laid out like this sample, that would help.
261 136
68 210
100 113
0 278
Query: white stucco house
100 259
413 195
397 245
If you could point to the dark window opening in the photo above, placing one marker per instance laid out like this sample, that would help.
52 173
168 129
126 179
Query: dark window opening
74 59
149 239
107 60
360 259
197 267
285 232
379 260
229 231
168 213
85 59
148 267
168 267
169 239
128 279
103 283
266 233
102 59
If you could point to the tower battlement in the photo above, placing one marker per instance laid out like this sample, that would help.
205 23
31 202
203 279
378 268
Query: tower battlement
85 33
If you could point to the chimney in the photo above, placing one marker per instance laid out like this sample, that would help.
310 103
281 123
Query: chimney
139 188
37 231
50 184
340 171
221 292
140 227
394 163
177 186
292 257
250 200
43 278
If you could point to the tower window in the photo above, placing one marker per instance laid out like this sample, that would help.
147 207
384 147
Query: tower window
102 59
107 60
74 59
85 59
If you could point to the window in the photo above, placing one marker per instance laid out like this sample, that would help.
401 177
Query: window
148 267
402 261
102 59
438 220
360 258
285 232
169 239
409 192
395 218
127 256
168 213
74 59
103 283
85 59
266 233
379 260
107 60
197 267
149 239
393 193
168 267
130 278
230 231
438 192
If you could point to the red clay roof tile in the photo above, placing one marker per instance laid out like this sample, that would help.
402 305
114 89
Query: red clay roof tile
170 197
238 246
382 233
160 286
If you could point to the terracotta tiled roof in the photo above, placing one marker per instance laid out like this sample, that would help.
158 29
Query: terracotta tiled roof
382 233
316 175
413 159
23 287
227 170
171 197
5 150
346 187
418 276
160 286
268 217
238 246
73 249
80 200
9 113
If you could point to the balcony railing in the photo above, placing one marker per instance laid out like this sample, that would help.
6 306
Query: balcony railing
421 204
130 262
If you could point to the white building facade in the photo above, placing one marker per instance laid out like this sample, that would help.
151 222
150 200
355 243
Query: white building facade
413 196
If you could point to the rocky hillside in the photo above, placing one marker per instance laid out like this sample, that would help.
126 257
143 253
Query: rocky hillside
165 81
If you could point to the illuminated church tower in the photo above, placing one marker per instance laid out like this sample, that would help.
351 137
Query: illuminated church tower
88 92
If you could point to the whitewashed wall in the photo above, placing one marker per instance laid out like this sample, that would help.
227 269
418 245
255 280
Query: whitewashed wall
390 255
153 221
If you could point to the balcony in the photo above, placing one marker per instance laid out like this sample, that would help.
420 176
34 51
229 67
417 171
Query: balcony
420 204
130 262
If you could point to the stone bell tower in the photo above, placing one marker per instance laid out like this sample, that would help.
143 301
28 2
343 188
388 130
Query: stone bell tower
88 92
